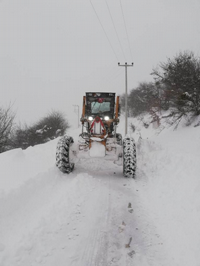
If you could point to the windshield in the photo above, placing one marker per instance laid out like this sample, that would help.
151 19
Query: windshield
97 107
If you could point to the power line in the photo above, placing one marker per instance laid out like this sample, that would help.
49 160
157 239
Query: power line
126 29
112 76
104 30
115 78
115 29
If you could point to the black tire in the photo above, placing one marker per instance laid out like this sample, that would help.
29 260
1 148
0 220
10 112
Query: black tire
62 155
129 157
119 139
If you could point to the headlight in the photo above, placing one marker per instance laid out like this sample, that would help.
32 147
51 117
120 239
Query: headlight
90 118
106 118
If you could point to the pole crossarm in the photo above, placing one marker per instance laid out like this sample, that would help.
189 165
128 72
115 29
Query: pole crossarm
125 65
126 97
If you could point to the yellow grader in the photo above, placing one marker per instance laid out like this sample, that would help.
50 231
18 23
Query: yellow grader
99 137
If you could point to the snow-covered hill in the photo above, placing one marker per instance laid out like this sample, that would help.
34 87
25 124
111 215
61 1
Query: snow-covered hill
95 216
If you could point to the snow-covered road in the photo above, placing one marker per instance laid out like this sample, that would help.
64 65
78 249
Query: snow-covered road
90 217
95 216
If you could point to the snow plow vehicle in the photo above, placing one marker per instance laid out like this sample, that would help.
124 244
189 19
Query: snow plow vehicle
99 137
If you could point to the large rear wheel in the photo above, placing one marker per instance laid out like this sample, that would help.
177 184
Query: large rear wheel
129 157
63 154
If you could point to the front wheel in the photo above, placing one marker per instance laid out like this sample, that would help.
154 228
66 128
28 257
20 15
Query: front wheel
129 157
62 155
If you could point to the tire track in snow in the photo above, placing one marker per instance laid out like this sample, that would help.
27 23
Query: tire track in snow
115 209
95 248
79 220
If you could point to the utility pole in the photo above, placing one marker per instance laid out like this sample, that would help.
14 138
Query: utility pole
75 105
126 97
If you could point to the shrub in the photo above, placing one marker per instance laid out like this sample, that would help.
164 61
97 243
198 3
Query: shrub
47 128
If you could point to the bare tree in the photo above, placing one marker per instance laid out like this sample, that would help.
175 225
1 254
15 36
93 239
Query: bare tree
180 78
6 126
143 98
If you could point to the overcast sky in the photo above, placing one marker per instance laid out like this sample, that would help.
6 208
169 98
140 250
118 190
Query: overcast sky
53 51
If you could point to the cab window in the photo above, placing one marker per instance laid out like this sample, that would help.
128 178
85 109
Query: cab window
97 107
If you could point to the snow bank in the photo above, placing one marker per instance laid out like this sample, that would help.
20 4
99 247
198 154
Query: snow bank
169 182
17 166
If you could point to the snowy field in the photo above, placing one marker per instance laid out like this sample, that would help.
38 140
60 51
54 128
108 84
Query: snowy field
95 216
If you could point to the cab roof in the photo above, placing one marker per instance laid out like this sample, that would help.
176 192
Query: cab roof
100 94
